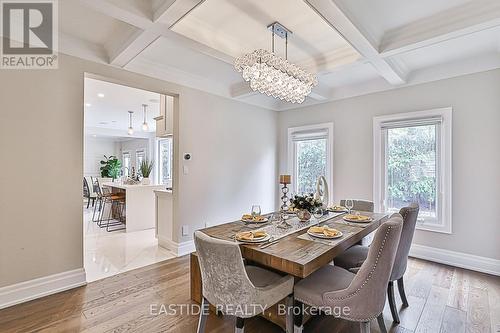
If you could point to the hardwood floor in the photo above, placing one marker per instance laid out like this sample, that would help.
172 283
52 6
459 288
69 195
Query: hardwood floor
442 299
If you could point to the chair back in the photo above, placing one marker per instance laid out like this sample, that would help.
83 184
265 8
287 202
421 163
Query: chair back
362 205
409 215
86 188
97 187
223 274
365 296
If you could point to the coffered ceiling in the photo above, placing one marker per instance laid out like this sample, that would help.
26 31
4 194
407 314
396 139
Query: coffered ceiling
238 27
355 46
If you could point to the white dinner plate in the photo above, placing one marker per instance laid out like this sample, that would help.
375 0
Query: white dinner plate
357 221
255 240
337 210
324 236
266 219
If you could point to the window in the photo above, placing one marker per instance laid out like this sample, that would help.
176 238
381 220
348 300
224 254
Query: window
140 155
310 156
413 165
126 163
165 158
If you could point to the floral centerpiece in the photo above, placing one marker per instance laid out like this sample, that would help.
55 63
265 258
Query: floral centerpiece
305 204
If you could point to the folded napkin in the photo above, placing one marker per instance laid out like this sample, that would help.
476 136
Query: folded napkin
325 230
357 217
250 235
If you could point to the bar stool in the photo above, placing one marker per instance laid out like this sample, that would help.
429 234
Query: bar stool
116 204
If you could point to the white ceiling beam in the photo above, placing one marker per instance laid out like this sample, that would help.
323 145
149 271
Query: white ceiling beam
119 12
333 15
321 92
172 11
166 14
241 90
132 47
473 16
143 23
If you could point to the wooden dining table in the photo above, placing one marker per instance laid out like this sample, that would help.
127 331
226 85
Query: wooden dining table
297 253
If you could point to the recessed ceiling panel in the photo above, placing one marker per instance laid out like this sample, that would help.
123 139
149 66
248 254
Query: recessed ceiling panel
77 20
239 27
452 50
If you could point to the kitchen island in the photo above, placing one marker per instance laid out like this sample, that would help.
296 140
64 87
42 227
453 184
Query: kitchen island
139 204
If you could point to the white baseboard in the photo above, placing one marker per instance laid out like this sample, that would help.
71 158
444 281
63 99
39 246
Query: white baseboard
179 249
458 259
40 287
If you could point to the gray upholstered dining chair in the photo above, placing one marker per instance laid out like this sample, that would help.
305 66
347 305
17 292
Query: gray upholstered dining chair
335 289
354 257
363 205
234 288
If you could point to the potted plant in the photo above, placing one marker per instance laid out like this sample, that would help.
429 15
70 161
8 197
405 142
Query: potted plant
110 167
305 204
146 167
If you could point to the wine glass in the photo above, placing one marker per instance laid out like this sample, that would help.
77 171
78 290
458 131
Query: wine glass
349 204
255 210
318 212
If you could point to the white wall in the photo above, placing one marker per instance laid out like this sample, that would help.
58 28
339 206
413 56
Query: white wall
233 166
476 154
132 146
94 151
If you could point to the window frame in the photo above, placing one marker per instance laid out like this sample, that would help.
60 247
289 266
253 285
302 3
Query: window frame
127 172
292 170
138 152
158 152
443 162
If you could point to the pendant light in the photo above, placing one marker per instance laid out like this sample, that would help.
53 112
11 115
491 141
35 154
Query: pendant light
130 128
145 126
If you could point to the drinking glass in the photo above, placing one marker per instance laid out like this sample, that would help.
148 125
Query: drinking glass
255 210
349 204
318 212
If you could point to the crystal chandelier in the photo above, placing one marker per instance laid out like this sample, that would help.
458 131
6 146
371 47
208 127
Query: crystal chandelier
273 75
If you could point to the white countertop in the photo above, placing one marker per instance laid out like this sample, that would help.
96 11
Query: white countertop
138 186
163 191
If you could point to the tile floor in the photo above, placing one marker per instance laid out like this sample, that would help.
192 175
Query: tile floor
111 253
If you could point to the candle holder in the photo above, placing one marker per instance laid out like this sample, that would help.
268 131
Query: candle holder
284 197
285 180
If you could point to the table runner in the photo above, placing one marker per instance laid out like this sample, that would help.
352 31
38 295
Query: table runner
272 227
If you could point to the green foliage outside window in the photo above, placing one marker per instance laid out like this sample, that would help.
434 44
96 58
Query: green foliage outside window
411 166
311 163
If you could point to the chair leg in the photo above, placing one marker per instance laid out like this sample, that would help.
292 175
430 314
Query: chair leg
392 302
88 202
381 323
297 317
364 327
240 325
203 316
289 316
401 289
93 214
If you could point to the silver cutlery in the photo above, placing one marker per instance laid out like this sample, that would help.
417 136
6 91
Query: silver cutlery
267 241
269 244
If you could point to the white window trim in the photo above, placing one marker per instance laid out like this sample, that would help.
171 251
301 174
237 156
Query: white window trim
445 163
158 158
137 153
126 152
329 161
